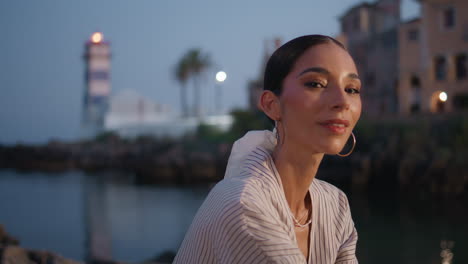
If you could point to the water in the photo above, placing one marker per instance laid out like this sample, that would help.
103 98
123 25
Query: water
53 211
404 230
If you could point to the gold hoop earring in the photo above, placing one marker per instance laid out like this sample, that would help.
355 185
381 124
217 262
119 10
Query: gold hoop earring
351 151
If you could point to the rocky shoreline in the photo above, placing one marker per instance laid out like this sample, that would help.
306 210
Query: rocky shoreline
11 252
421 155
151 161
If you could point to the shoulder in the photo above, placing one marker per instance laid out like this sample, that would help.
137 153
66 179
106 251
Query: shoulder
251 178
334 210
235 219
241 194
332 195
327 188
218 220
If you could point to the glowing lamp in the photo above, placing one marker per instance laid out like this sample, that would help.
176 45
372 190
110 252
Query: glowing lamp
221 76
97 37
443 96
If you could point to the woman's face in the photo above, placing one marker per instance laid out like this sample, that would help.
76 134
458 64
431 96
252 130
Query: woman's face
320 101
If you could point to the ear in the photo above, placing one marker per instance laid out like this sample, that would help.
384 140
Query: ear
270 105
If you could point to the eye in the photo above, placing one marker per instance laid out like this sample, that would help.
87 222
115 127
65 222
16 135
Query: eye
352 90
314 84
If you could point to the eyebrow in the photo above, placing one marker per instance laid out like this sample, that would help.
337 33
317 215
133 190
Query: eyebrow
353 76
326 72
315 69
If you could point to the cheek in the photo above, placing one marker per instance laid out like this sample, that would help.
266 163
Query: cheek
293 111
301 99
291 99
301 106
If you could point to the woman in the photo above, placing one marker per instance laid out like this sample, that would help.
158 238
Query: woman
270 208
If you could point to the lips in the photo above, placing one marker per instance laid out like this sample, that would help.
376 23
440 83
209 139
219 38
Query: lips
337 126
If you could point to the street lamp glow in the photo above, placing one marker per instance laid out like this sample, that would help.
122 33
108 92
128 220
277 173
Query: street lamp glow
97 37
443 96
221 76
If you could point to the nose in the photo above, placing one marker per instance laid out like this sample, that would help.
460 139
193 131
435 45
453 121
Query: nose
339 100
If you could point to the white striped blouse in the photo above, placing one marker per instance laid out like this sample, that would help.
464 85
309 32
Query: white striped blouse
246 219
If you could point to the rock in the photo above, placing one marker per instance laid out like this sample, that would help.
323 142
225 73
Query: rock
18 255
201 167
6 239
13 254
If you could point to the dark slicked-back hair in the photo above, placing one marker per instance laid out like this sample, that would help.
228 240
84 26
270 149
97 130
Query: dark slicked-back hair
283 59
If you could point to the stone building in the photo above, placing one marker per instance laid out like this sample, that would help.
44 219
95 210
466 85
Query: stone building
370 33
433 58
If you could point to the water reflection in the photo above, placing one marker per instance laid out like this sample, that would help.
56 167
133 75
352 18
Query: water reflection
446 253
147 221
409 229
78 215
44 211
97 219
102 216
138 222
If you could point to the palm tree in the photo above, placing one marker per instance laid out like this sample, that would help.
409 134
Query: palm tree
182 73
192 65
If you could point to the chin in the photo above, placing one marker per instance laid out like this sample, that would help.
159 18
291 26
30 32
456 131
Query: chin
334 149
332 153
328 146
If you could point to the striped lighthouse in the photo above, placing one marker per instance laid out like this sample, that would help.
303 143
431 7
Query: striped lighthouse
97 80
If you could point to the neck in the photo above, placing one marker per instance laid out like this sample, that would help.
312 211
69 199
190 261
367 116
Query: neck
297 168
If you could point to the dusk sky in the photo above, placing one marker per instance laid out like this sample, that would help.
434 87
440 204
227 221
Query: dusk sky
42 43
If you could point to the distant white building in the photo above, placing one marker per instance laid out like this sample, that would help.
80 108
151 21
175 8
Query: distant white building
128 108
130 115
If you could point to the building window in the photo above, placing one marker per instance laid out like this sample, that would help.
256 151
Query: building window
460 101
415 108
449 17
413 35
440 68
344 26
415 81
461 69
465 33
357 23
415 99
